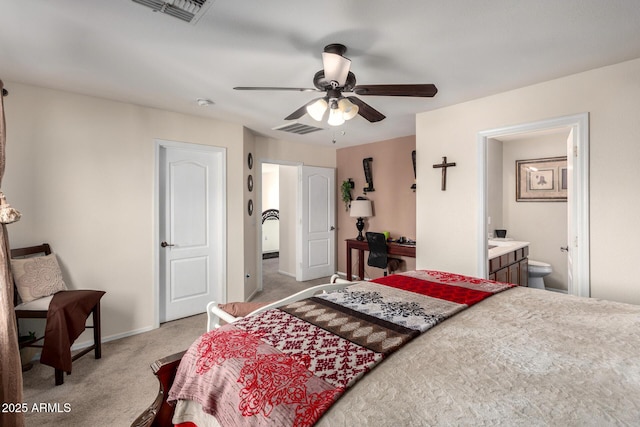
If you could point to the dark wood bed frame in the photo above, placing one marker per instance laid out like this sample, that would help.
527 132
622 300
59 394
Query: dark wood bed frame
160 413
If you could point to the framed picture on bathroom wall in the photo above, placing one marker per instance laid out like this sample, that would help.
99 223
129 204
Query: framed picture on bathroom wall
541 180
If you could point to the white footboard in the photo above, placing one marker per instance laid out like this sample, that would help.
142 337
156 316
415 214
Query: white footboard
215 314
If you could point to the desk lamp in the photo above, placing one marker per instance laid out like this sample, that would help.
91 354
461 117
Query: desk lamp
360 209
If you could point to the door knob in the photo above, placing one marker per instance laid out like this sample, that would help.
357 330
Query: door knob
564 248
165 244
332 228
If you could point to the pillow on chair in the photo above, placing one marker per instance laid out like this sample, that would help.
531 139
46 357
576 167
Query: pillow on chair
37 277
241 309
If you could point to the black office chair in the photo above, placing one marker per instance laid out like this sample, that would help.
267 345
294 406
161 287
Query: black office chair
378 253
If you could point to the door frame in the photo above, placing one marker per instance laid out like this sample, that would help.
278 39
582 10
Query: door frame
159 144
578 153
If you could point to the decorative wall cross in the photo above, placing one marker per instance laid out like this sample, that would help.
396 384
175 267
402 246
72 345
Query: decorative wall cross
444 165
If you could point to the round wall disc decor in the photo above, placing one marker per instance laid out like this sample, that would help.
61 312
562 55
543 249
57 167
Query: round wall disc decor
250 182
250 207
250 161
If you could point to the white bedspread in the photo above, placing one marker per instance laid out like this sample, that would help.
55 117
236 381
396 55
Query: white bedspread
524 357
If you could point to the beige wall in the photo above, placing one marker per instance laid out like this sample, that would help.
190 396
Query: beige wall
279 150
495 180
611 96
288 214
250 230
394 202
81 170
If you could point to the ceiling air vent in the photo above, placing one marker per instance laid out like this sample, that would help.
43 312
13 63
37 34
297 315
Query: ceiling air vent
299 128
186 10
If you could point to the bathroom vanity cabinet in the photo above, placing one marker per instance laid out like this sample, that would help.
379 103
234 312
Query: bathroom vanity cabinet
509 263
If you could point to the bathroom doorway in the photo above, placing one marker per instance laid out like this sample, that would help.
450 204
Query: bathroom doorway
574 130
542 224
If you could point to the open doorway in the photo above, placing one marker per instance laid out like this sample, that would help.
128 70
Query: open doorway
278 225
299 246
543 224
577 151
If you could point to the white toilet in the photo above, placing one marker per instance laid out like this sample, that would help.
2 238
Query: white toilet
537 270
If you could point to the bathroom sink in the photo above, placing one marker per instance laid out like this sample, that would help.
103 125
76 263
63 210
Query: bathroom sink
501 247
494 243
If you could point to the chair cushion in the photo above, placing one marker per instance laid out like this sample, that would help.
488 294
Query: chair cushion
37 277
40 304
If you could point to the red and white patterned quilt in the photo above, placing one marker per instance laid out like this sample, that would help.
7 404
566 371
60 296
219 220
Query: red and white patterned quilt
286 366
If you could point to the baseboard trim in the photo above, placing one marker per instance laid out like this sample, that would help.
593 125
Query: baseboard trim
286 273
560 291
85 344
253 294
88 343
343 275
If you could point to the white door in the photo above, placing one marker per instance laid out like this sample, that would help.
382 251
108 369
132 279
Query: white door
192 234
317 238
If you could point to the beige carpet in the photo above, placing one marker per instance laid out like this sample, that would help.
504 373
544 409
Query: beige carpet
114 390
277 286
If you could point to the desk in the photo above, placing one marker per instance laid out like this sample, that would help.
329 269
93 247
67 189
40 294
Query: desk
362 245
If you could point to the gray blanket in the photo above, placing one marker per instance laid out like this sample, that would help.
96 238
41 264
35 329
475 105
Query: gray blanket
524 357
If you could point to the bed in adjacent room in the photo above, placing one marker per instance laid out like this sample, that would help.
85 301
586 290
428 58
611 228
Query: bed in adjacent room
429 348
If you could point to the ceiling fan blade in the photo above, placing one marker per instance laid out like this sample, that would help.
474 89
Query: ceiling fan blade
297 89
299 112
366 110
425 90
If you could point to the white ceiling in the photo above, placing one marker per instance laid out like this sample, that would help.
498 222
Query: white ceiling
123 51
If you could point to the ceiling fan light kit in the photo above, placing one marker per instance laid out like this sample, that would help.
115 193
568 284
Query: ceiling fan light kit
317 109
341 109
336 68
349 109
336 78
335 115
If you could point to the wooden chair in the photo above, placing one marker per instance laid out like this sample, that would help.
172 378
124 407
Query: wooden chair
378 256
38 309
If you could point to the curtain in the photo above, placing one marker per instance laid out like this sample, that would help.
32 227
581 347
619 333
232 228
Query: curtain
10 365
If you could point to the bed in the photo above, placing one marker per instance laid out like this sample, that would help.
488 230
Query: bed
518 357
